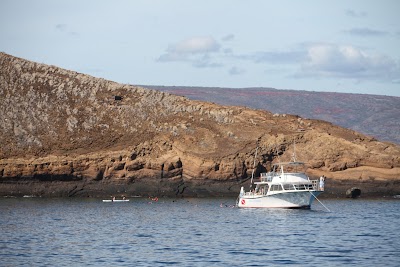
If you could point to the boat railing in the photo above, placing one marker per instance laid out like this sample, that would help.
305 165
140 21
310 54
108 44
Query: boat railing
302 186
315 184
253 193
280 189
298 186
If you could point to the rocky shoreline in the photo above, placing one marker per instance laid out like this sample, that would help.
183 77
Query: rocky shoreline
128 173
64 133
62 185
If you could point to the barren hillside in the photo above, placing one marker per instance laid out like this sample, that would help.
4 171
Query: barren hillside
63 133
373 115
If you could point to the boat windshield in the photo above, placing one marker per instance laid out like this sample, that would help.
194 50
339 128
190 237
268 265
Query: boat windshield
290 167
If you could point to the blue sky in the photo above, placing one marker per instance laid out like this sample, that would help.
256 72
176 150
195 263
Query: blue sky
338 46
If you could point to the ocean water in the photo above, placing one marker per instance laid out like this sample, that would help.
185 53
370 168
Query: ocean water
196 232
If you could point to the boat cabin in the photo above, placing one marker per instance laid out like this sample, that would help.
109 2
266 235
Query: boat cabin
286 176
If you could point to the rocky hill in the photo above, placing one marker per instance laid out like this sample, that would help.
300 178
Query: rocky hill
373 115
63 133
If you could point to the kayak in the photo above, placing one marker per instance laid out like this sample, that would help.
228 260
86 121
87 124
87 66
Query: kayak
115 200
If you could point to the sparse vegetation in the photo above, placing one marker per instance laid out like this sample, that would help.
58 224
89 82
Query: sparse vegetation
373 115
60 125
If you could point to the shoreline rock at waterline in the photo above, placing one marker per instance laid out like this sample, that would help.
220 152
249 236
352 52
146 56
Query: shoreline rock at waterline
353 192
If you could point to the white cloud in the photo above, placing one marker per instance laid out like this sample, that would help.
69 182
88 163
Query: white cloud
329 60
195 50
306 60
194 45
347 61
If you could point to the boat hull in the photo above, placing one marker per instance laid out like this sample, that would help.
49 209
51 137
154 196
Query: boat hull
289 200
115 200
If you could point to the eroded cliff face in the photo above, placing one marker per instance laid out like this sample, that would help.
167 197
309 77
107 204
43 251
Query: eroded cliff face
64 133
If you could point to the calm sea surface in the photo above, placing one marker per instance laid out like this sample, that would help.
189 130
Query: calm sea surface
196 232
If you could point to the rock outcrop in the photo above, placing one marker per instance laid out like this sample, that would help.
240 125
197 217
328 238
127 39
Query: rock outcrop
63 133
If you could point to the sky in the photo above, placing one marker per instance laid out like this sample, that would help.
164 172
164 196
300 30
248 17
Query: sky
348 46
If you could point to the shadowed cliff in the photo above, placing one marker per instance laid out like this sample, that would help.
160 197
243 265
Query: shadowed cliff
63 133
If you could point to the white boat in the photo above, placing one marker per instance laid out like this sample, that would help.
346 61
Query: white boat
115 200
286 186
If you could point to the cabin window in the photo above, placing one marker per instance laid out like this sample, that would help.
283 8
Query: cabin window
288 187
276 187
